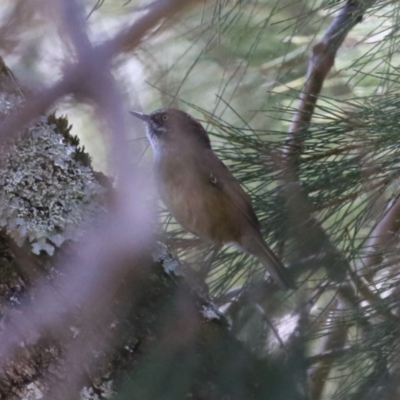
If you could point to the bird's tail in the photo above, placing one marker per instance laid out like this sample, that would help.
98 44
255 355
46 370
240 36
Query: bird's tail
256 246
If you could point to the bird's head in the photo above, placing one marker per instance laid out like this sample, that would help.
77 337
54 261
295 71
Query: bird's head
173 127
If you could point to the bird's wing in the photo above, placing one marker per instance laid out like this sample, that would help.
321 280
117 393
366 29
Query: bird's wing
218 175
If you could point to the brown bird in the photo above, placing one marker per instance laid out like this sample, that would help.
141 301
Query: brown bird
200 191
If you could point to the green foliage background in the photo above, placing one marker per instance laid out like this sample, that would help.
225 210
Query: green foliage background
238 66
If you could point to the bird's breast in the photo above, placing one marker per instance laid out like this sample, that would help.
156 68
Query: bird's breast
183 199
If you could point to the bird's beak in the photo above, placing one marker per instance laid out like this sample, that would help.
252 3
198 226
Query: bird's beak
143 117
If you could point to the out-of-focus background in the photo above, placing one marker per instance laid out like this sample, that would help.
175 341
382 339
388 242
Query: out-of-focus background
240 61
239 67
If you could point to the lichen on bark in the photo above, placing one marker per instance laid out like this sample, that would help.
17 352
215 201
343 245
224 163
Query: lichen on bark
50 193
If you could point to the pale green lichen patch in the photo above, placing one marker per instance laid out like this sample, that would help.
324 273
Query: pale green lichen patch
48 195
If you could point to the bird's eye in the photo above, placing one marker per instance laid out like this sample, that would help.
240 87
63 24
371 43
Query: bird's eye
165 117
